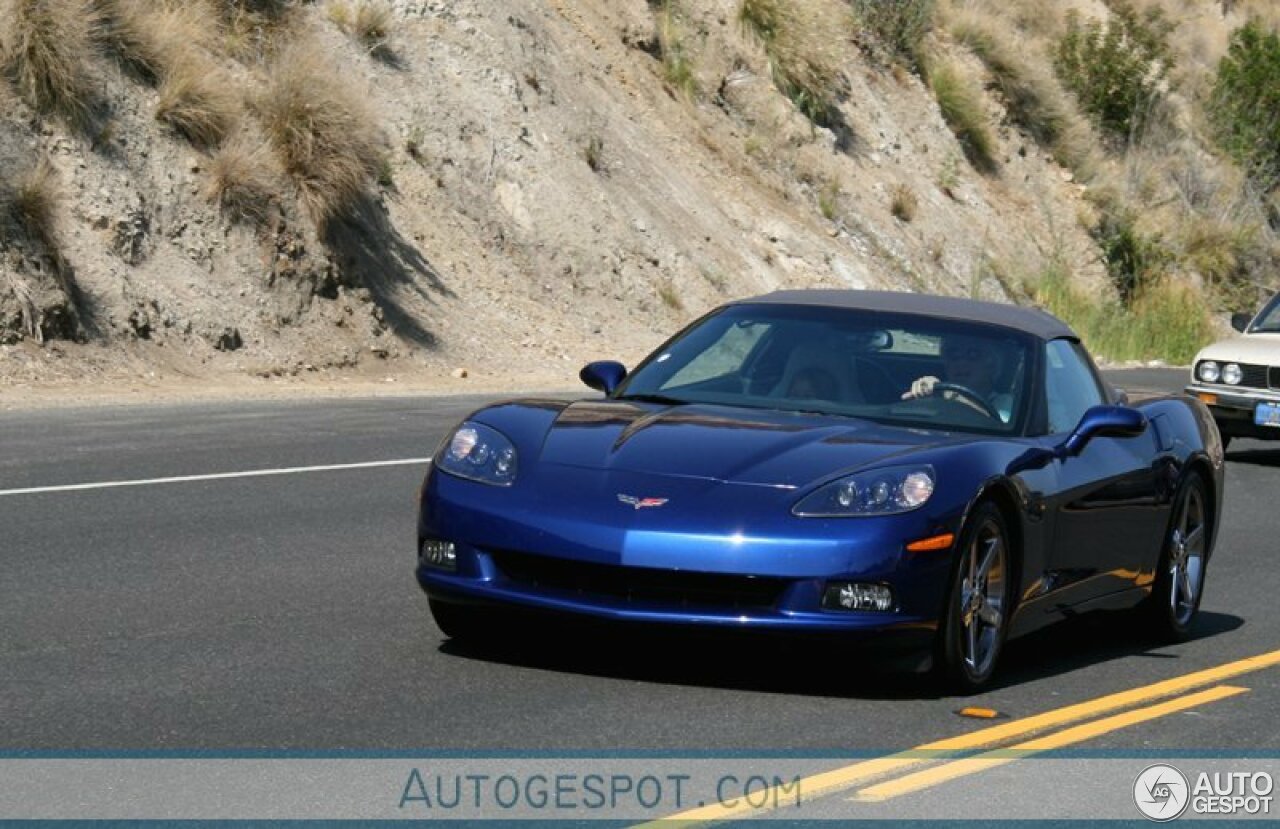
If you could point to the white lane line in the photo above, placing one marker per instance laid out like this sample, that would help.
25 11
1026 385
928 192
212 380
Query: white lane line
216 476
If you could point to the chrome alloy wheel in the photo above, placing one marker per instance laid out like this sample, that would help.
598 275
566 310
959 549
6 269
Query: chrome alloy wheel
982 592
1186 557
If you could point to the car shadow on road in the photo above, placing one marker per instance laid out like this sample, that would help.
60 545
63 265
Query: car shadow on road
772 664
1093 639
1255 457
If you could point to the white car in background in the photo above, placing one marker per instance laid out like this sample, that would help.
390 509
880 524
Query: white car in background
1239 379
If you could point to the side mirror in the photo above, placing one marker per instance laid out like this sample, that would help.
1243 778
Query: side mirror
603 375
1240 322
1103 421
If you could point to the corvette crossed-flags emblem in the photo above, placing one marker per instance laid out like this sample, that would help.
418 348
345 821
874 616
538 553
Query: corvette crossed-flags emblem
641 503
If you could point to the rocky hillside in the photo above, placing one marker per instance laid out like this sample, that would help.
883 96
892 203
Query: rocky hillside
259 188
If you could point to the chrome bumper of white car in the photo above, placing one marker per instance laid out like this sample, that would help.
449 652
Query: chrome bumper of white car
1232 397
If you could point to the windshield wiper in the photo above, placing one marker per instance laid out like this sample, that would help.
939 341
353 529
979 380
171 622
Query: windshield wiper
660 399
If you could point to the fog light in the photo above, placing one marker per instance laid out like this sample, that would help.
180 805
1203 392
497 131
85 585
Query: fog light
438 554
844 595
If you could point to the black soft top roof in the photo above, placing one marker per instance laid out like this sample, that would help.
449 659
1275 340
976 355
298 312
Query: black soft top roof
1029 320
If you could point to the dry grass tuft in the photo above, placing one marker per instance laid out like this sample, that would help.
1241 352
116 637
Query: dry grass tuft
829 200
960 101
805 41
166 42
899 25
368 21
593 154
151 36
904 204
44 47
669 296
198 103
677 62
324 135
1034 97
242 180
253 29
34 202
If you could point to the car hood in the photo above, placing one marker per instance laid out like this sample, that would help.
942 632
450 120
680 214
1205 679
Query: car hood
1259 349
729 444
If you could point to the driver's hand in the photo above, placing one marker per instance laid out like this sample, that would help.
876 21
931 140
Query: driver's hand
922 387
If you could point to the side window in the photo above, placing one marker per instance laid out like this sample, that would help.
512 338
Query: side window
1069 385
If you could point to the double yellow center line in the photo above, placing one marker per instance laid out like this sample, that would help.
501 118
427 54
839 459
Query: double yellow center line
857 774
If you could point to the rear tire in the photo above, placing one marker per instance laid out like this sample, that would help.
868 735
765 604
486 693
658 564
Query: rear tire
1184 558
976 621
460 621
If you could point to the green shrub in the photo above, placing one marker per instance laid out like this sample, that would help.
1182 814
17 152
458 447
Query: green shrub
1245 104
1167 321
1134 260
1117 69
900 25
961 103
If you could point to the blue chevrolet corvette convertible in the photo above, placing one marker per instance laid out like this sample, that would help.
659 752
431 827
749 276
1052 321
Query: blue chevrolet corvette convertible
925 473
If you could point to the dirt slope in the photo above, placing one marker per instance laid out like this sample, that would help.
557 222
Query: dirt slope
548 198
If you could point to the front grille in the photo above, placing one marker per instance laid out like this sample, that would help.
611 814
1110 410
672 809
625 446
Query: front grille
639 584
1255 377
1273 377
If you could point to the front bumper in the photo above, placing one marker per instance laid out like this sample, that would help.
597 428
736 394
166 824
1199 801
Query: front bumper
499 592
684 570
1233 409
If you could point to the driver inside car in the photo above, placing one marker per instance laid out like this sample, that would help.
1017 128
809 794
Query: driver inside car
975 365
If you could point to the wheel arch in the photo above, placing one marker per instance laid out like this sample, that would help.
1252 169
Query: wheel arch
1002 493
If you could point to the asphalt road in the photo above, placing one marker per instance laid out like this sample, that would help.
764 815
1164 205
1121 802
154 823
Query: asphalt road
281 612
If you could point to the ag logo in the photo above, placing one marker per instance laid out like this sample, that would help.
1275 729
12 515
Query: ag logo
1161 792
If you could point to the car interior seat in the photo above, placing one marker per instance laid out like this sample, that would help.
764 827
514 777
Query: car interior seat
817 372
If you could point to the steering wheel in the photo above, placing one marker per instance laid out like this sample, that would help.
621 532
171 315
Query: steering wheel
969 394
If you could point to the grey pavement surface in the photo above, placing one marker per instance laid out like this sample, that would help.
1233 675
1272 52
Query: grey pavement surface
282 613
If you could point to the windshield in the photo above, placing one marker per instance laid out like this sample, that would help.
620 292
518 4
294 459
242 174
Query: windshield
898 369
1268 321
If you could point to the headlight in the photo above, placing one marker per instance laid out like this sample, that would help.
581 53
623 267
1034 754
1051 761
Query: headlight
1209 371
478 453
1232 374
887 491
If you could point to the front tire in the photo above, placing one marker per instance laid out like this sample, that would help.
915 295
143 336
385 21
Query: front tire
976 620
1180 574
